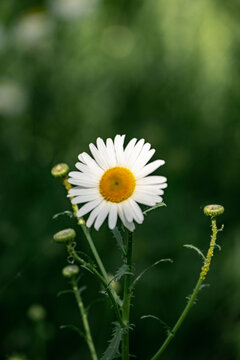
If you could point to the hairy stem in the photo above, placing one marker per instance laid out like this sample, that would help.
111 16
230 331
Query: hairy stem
191 301
127 298
83 313
92 269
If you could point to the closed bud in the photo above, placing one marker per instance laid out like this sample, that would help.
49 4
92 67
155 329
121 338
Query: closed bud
70 271
213 210
60 170
36 312
65 236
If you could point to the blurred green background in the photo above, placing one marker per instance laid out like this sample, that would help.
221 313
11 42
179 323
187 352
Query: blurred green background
167 71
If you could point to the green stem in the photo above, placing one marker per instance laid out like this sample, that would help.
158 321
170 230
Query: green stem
180 320
127 298
82 262
85 320
203 274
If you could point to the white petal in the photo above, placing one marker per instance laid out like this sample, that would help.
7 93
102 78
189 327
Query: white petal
152 180
142 160
98 157
148 169
129 148
111 152
95 213
102 216
83 183
85 198
118 144
88 207
149 189
92 164
81 176
135 152
127 210
146 199
103 151
138 215
129 225
82 191
112 217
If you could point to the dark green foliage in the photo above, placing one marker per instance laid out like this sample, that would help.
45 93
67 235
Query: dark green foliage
167 71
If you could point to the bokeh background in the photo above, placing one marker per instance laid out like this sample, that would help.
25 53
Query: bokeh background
167 71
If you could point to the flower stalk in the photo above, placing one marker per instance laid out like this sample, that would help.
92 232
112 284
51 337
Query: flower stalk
83 313
191 301
127 297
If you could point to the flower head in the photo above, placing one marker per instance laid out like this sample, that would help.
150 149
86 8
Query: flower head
114 180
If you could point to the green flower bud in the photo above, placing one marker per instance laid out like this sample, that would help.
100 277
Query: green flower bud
65 236
70 271
60 170
36 312
213 210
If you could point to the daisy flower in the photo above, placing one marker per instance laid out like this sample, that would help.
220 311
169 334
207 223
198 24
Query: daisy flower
114 180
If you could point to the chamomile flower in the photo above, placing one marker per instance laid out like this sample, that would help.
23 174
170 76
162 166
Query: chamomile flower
114 180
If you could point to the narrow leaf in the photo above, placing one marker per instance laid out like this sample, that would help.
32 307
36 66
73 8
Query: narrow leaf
166 326
118 236
154 208
63 292
113 348
66 212
74 328
148 268
189 246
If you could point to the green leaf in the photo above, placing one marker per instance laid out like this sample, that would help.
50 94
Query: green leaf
166 326
123 270
63 292
74 328
66 212
148 268
113 348
118 236
189 246
154 208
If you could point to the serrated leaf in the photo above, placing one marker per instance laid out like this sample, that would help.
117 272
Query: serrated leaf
113 348
118 236
148 268
66 212
63 292
123 270
154 208
190 246
74 328
166 326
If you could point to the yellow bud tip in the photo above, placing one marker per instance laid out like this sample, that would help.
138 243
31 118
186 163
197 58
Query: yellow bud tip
70 271
60 170
213 210
65 236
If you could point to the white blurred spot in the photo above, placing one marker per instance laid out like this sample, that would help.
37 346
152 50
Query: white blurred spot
13 98
70 9
117 41
32 30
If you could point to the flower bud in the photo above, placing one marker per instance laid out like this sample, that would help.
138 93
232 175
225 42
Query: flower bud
60 170
65 236
16 357
36 312
70 271
213 210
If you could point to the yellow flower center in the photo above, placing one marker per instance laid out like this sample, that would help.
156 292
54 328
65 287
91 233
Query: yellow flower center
117 184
